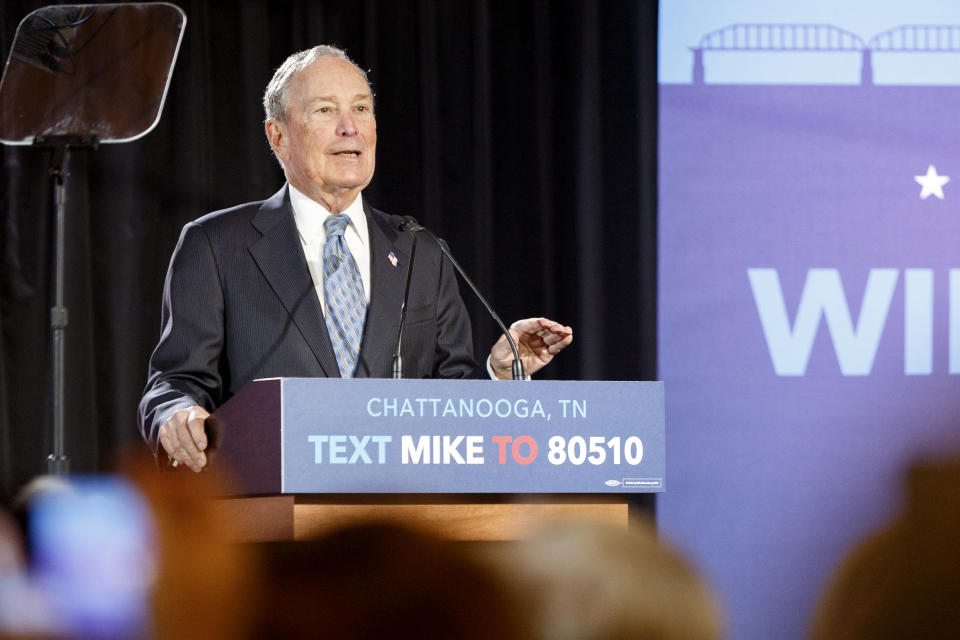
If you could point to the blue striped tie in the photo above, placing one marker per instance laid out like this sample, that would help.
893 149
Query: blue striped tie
343 290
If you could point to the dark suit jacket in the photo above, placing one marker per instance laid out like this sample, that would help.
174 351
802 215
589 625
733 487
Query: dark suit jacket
239 304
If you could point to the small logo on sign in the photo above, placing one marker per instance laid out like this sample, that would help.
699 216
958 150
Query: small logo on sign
612 483
643 483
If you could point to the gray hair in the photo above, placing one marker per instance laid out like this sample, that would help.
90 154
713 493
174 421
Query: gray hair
275 97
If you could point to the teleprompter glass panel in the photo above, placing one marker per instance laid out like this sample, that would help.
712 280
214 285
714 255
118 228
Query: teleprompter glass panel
89 70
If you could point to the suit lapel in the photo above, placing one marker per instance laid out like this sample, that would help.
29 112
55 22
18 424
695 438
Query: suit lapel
279 255
386 293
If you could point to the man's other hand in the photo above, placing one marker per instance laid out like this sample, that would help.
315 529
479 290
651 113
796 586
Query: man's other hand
183 437
538 340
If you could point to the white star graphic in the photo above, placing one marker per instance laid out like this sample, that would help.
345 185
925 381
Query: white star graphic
932 183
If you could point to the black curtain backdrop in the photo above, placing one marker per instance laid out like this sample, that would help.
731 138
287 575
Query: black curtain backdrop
523 131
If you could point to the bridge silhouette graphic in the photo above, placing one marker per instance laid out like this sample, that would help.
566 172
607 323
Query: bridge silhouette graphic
825 38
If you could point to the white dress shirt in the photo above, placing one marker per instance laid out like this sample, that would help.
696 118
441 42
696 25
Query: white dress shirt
309 216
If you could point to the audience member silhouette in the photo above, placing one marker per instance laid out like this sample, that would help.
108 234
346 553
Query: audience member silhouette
903 581
593 581
377 580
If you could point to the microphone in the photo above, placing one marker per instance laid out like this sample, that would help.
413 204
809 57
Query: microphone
405 223
409 224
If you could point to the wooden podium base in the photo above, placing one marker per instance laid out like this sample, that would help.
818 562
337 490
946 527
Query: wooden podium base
462 518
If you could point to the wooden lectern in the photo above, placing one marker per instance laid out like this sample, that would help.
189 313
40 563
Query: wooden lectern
246 438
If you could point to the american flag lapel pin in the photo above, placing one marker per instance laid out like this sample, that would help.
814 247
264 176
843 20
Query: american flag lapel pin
392 257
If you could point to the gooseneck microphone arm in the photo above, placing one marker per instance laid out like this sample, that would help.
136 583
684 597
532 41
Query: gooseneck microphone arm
406 224
518 373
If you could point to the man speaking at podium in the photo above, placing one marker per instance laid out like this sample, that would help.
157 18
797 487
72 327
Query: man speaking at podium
310 282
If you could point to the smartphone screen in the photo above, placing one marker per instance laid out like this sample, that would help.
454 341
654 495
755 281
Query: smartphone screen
94 556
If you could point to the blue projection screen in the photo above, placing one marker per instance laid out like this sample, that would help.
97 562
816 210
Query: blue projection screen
809 285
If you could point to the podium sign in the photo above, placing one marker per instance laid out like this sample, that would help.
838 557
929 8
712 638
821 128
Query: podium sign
457 436
309 454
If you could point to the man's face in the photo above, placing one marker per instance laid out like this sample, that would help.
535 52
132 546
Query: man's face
328 143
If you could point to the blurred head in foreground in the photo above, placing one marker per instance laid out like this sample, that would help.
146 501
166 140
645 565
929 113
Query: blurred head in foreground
207 586
904 580
381 580
594 581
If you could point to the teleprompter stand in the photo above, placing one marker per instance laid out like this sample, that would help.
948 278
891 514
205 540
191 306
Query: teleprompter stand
79 76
